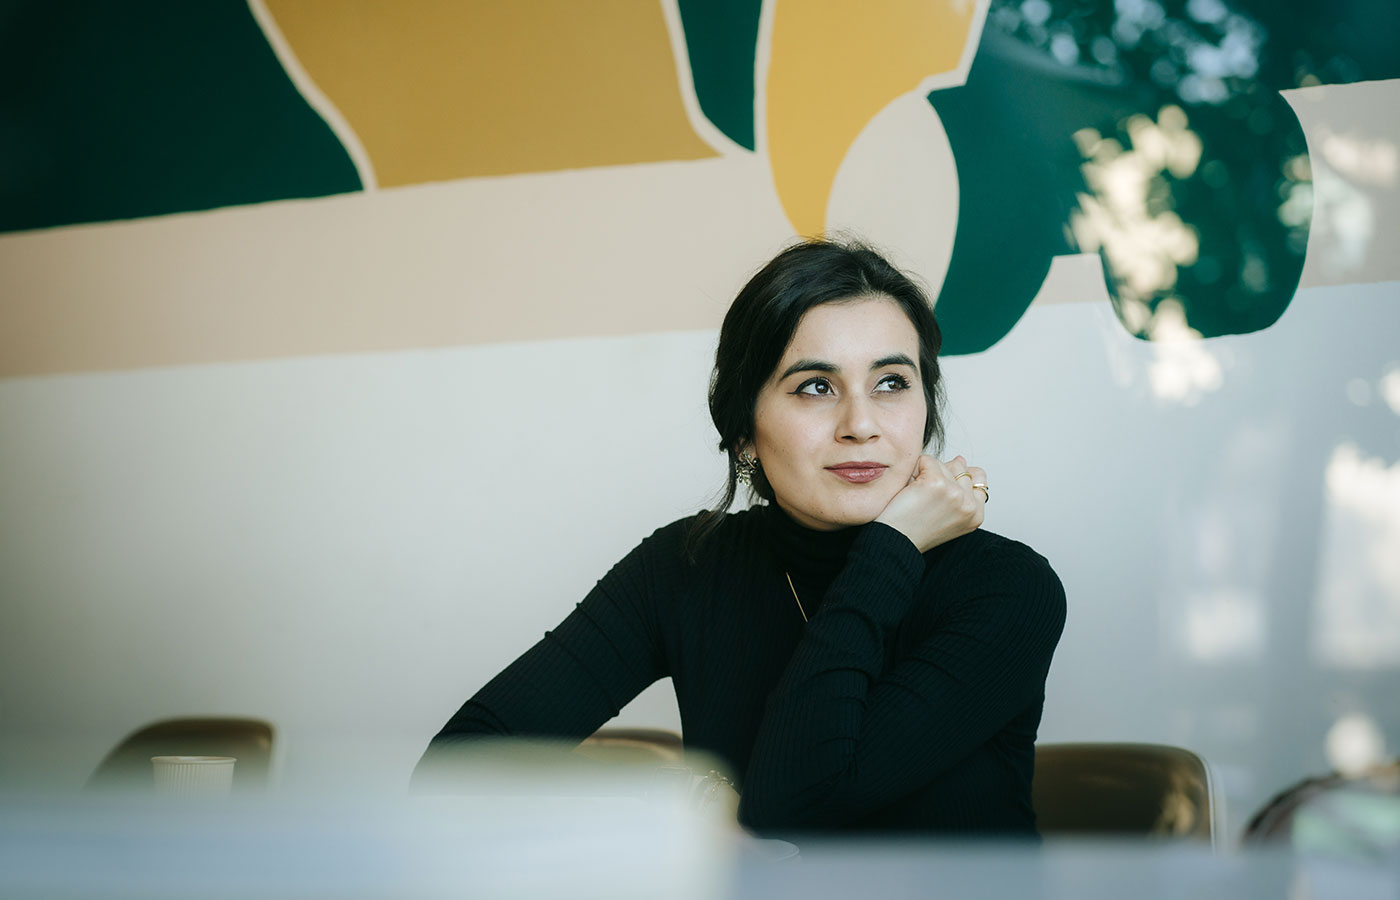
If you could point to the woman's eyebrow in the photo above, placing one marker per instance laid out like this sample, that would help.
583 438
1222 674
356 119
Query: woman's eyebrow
809 365
817 365
894 359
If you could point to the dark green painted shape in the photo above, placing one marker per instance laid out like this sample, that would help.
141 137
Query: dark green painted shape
142 108
1011 129
1011 158
721 37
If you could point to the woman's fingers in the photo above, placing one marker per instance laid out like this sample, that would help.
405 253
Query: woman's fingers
972 479
957 469
939 503
925 468
977 481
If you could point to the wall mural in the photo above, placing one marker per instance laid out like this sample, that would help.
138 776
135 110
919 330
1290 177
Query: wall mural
1149 131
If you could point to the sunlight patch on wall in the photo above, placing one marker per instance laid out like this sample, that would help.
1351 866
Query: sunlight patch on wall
1146 243
1224 624
1183 369
1356 614
1390 388
1347 222
1370 161
1215 606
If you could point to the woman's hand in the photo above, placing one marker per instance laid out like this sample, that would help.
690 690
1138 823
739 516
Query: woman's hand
938 504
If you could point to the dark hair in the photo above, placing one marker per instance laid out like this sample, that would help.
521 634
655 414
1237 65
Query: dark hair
761 322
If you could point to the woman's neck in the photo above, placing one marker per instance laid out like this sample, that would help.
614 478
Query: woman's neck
813 557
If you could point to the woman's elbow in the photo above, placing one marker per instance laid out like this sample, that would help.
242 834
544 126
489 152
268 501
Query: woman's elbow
777 811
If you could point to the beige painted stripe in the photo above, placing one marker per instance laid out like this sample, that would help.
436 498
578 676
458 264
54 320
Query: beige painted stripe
610 251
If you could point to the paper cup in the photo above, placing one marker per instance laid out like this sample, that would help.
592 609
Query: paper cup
193 776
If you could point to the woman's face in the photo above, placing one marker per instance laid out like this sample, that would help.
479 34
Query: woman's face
839 425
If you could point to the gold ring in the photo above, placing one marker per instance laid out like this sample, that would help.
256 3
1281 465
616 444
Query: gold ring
986 495
967 475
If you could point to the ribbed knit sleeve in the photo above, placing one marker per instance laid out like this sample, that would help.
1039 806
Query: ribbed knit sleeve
849 729
579 675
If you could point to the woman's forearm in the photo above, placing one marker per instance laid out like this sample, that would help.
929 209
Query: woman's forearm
849 730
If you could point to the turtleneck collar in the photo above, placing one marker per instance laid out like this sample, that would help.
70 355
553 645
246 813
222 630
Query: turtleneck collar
807 555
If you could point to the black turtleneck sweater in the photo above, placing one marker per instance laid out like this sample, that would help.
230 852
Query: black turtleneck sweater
910 700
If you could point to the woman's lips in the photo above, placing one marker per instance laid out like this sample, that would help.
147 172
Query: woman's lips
857 472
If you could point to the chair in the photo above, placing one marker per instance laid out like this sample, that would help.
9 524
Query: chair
1333 811
1148 790
634 746
128 766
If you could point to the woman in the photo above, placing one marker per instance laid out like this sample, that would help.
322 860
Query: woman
855 648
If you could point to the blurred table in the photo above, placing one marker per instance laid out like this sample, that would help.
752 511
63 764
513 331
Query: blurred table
582 847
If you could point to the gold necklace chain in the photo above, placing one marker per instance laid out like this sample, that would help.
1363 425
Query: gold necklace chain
795 597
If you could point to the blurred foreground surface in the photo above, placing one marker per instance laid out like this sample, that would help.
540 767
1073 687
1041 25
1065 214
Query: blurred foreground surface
530 844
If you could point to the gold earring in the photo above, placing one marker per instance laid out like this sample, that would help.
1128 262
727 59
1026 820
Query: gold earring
745 467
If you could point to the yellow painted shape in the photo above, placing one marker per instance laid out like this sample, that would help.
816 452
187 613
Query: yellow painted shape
446 89
833 65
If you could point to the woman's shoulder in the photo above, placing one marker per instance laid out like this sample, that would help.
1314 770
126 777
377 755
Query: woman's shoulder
999 562
701 534
677 556
986 545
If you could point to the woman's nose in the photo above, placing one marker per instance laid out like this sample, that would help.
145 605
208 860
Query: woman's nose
858 420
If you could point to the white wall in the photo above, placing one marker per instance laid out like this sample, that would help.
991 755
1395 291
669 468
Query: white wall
349 546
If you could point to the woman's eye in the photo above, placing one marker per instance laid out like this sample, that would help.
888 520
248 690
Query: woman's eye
814 387
891 383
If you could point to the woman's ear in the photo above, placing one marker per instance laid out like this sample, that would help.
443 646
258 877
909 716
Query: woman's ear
746 465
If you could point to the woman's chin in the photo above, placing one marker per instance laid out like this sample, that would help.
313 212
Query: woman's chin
851 513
